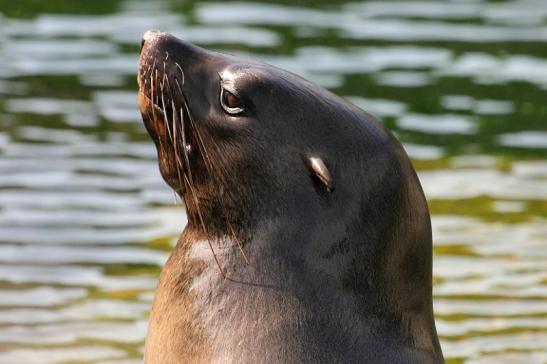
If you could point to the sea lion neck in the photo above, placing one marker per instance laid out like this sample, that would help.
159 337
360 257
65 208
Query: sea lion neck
314 272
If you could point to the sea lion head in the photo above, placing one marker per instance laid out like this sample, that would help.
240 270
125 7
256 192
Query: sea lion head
241 132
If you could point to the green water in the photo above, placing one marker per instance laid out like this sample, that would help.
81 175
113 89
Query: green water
86 221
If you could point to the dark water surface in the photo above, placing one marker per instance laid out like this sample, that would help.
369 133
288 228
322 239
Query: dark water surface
86 221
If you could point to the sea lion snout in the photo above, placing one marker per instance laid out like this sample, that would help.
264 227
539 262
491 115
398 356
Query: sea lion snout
157 43
149 35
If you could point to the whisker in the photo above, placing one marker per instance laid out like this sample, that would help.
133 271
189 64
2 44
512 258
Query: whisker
175 198
175 137
153 86
185 151
196 130
167 85
196 202
181 72
240 246
165 119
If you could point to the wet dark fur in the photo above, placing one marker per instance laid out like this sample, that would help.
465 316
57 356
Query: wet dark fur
332 277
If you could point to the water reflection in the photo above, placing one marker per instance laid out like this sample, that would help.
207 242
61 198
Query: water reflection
86 221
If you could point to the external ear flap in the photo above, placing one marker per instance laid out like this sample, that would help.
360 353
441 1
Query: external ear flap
318 167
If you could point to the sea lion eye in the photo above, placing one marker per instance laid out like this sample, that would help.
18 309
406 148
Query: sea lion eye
230 102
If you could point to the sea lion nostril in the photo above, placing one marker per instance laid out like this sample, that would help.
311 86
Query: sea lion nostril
148 36
142 44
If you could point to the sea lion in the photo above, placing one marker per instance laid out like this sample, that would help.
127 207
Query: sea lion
308 236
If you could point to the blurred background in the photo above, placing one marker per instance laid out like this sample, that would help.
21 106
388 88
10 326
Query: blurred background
86 221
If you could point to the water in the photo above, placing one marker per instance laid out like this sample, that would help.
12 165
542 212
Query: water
86 221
